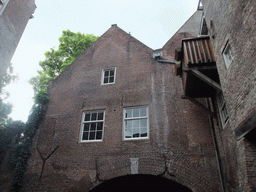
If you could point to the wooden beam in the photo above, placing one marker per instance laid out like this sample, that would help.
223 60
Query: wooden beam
206 79
208 111
246 126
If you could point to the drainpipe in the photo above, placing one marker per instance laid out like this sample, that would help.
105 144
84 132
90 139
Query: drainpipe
215 146
165 61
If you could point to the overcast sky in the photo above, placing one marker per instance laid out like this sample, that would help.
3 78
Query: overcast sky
153 22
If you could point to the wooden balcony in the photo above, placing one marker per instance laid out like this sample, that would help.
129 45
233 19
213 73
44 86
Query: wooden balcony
198 67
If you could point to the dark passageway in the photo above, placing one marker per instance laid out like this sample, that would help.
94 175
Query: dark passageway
140 183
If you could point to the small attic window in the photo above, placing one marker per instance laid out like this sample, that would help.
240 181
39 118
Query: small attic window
157 55
108 76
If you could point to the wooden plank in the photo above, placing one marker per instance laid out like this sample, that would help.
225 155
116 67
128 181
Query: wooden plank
202 46
208 111
186 54
213 57
199 52
190 51
246 126
207 49
202 68
195 53
206 79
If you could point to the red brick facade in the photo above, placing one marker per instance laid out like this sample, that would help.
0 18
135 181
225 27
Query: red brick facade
179 144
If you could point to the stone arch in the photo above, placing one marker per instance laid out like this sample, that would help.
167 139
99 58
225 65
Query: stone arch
140 182
184 175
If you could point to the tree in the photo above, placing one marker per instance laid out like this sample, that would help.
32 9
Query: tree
6 108
71 46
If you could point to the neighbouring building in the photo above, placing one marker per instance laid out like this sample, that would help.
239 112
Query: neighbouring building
180 118
14 16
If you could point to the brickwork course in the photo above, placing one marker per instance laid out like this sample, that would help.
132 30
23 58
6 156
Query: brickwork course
13 19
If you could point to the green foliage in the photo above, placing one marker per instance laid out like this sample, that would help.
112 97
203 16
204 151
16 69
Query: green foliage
71 46
6 108
10 136
22 153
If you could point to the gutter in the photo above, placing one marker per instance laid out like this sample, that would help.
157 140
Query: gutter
165 61
216 146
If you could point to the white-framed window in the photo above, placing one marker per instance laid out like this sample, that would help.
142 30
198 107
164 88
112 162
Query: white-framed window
108 76
92 126
222 108
228 54
3 4
136 123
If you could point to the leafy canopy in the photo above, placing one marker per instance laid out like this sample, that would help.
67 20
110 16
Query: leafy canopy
6 108
71 46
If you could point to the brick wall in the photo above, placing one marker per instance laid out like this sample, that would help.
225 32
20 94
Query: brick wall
13 21
234 21
179 133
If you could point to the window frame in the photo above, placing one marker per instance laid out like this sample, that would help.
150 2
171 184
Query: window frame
91 121
228 54
221 104
2 7
103 76
135 118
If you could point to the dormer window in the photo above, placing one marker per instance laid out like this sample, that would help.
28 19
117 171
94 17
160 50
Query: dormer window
108 76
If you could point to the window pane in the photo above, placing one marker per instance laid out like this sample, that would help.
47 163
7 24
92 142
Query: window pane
128 133
100 116
105 80
87 117
92 136
136 123
99 126
136 112
106 74
128 113
85 136
143 112
86 126
112 73
143 132
93 126
99 135
143 123
128 124
94 115
136 132
111 79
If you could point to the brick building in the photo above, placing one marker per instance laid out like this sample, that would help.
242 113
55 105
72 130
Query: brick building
123 114
14 16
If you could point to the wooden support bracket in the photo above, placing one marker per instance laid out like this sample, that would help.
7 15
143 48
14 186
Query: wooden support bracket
208 111
206 79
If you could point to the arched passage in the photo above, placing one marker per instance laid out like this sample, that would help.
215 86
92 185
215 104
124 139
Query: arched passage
140 183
